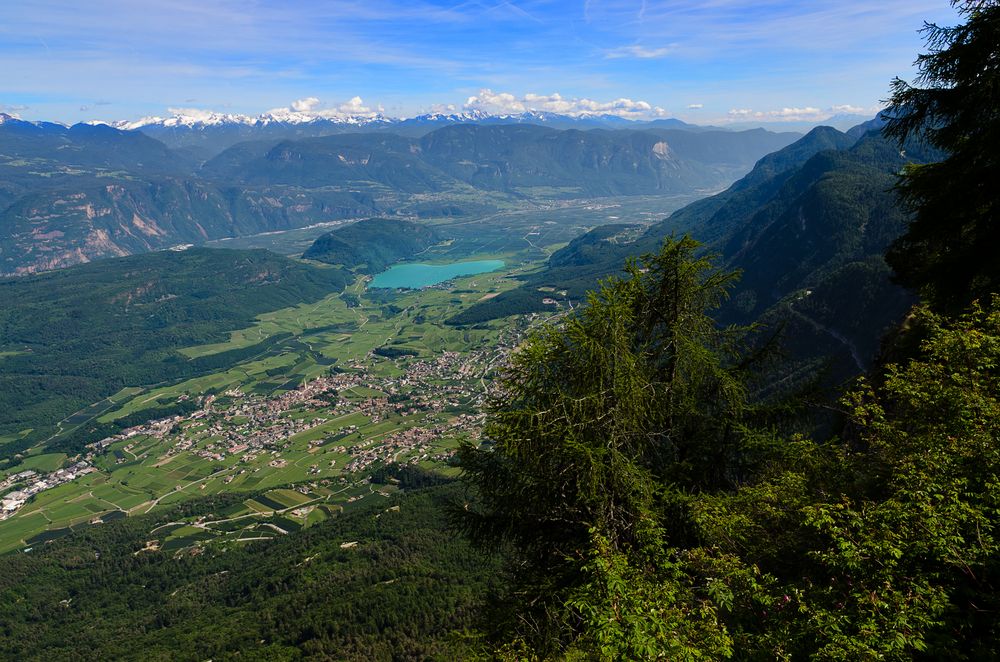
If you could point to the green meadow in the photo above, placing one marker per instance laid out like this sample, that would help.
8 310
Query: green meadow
143 474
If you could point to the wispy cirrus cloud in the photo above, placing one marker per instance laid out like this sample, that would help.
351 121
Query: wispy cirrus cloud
755 24
636 51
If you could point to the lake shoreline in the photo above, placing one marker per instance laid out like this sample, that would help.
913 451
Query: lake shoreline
418 275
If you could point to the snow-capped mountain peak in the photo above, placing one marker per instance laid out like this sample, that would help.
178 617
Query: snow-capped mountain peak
188 119
197 119
458 117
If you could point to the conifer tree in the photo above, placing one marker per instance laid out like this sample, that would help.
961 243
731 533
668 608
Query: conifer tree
949 253
608 423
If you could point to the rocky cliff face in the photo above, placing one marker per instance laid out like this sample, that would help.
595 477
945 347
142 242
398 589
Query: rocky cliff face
55 229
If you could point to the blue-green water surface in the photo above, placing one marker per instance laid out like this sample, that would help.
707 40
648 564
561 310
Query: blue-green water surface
416 275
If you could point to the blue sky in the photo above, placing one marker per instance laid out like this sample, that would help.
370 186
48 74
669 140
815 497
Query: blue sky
711 61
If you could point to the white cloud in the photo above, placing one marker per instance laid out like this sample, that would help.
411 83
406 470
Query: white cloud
355 106
443 108
304 105
311 107
695 106
805 114
637 51
490 101
505 103
848 109
794 114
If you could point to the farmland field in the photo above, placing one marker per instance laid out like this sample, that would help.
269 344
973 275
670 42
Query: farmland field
328 391
330 340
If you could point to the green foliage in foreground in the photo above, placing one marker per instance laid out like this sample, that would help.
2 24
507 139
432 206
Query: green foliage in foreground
648 513
81 334
399 594
883 545
608 424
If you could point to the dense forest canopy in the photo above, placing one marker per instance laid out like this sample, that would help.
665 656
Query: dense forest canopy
649 508
399 594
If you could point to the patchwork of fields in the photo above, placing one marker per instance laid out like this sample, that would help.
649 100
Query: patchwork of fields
329 391
297 428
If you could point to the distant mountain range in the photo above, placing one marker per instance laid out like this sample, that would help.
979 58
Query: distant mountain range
510 158
806 220
75 194
205 135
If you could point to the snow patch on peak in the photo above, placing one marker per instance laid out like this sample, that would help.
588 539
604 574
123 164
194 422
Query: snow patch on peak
302 111
466 116
12 117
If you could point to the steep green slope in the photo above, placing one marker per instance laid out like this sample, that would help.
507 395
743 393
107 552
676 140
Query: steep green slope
71 337
836 207
807 228
398 594
372 244
577 267
713 218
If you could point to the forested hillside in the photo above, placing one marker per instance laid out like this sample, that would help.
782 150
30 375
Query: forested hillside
70 338
372 244
710 219
87 192
766 427
402 592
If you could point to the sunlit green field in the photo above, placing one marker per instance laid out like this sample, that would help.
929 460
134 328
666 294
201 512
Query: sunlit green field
299 344
138 475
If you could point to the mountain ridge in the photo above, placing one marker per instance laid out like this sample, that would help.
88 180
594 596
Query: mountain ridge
807 228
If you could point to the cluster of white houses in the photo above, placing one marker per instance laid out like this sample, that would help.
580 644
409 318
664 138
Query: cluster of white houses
250 424
34 483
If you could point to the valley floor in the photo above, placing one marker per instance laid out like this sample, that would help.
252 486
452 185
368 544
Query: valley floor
350 388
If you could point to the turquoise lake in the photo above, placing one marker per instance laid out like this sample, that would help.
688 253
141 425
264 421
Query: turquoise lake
415 276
